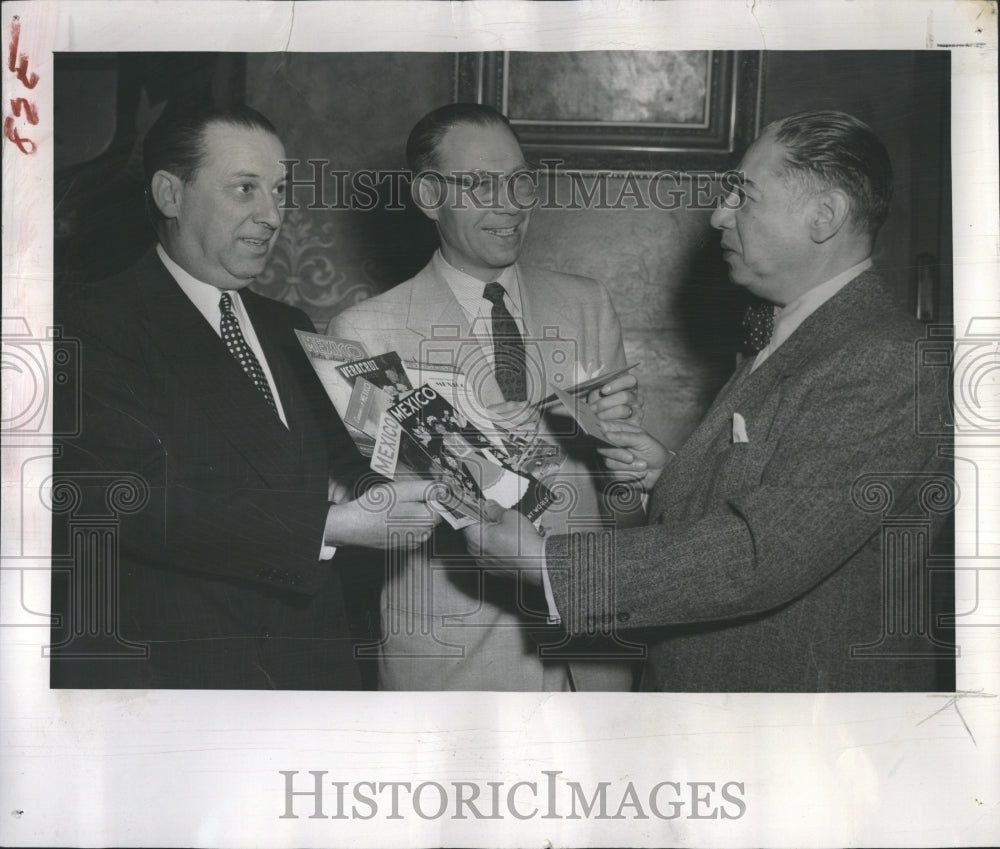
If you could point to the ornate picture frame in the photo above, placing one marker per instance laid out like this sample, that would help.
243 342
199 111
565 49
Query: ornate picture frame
702 116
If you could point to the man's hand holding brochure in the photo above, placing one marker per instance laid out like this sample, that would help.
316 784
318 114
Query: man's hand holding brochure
418 419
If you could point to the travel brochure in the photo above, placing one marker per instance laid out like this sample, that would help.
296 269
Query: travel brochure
416 418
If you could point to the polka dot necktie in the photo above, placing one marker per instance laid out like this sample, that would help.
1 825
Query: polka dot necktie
757 325
508 347
239 348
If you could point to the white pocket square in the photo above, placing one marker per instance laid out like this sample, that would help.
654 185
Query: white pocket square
739 429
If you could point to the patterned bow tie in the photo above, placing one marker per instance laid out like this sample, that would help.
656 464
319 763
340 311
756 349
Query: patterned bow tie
757 326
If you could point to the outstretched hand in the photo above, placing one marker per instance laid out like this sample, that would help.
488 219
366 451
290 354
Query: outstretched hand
510 546
635 455
397 508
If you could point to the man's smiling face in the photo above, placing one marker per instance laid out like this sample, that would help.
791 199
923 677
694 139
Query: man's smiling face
479 241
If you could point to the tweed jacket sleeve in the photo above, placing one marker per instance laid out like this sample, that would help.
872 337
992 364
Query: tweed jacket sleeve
738 529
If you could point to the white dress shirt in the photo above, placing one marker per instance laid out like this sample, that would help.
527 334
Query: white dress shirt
468 291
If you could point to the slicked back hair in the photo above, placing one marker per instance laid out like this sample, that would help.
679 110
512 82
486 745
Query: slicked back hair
828 149
425 137
176 142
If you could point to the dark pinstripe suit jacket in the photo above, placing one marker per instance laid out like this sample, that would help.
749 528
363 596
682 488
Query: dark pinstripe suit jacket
219 573
769 565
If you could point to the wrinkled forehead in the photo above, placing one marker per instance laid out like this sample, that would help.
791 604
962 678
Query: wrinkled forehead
477 147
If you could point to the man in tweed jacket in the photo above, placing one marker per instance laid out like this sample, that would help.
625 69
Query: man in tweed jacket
767 563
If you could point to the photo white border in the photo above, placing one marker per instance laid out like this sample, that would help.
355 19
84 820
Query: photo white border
179 768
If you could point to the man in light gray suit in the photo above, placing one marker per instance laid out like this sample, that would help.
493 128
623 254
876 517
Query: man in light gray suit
787 543
512 331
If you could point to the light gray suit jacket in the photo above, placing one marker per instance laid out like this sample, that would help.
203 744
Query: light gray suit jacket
795 561
446 624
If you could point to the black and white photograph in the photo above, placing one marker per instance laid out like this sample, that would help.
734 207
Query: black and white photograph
756 600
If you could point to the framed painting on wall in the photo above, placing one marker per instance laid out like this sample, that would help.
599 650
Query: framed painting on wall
642 111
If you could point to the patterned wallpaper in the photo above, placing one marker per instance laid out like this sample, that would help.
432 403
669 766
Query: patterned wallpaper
304 269
353 111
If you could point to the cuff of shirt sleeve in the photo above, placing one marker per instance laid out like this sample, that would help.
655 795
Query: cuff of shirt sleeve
326 552
550 599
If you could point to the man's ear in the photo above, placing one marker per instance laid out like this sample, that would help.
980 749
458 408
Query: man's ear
428 194
166 189
829 212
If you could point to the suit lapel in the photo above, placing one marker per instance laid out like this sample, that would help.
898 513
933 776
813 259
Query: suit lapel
273 338
745 392
826 329
543 305
554 337
712 435
434 311
200 364
311 418
436 316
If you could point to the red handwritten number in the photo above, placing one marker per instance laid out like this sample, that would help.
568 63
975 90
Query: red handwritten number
11 132
18 62
30 112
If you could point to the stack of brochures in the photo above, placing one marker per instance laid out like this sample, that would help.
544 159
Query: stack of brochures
414 418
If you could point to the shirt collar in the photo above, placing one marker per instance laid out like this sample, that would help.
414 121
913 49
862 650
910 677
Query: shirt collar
468 291
204 296
788 318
